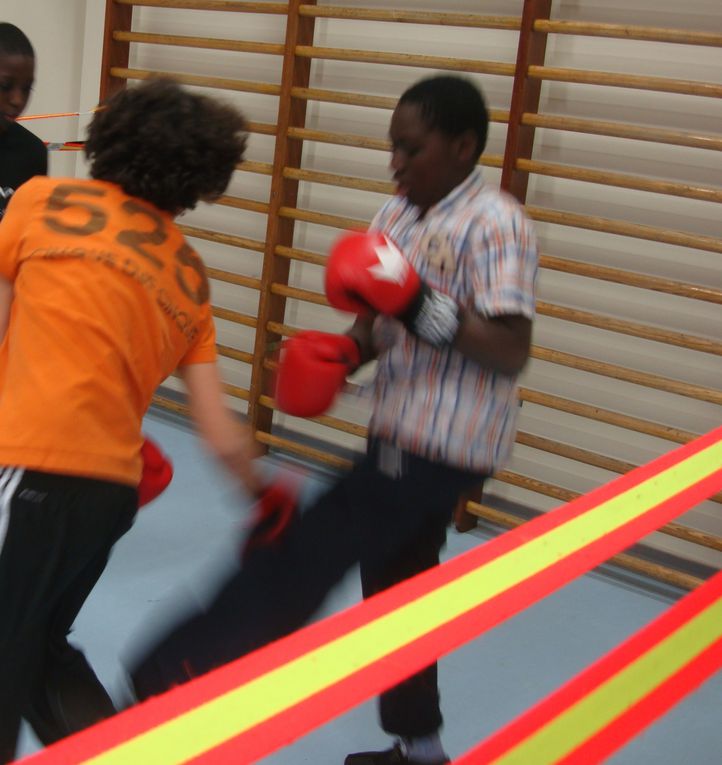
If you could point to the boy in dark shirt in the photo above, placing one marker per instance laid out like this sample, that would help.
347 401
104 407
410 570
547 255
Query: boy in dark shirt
22 154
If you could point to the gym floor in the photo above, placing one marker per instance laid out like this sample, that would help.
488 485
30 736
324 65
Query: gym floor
182 544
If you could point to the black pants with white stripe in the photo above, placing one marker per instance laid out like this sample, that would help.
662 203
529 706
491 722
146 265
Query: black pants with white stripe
56 533
389 513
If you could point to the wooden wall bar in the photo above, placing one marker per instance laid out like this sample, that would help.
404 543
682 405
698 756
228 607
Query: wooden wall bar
620 187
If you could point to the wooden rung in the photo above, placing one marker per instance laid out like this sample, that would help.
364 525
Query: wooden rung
212 5
216 236
235 316
340 97
170 405
284 330
657 382
208 43
624 560
262 128
302 450
656 571
323 219
260 168
233 353
362 184
238 203
694 536
631 279
340 181
406 59
694 140
628 32
622 228
230 278
331 422
634 329
535 486
566 495
622 180
469 20
341 139
591 412
633 81
237 392
222 83
303 255
585 456
296 293
365 142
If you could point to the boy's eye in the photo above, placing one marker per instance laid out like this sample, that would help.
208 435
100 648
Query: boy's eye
404 148
6 87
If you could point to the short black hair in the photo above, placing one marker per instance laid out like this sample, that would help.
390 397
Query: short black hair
452 105
166 144
14 42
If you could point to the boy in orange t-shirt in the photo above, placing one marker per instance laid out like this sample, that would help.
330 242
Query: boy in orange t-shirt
101 298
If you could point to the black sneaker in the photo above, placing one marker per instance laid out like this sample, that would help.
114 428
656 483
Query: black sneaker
393 756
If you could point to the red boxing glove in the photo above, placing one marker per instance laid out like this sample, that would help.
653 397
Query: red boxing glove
157 472
312 370
275 509
366 272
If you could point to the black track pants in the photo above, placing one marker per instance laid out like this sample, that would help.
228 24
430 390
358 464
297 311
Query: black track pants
389 513
56 533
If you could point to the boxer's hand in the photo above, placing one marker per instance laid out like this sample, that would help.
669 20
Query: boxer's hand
273 512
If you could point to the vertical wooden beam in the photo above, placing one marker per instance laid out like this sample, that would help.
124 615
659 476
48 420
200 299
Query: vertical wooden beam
284 193
115 53
531 51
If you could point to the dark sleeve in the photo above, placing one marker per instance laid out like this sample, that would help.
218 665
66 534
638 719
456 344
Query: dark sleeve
40 159
42 162
33 159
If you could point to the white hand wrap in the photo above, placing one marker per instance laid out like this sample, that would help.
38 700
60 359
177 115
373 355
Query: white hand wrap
434 317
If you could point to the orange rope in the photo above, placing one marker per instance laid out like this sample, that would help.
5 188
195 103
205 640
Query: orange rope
58 114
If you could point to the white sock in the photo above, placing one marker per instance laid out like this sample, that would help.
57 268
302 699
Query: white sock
424 748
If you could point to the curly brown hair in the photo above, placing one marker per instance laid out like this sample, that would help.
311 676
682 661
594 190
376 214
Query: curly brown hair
165 144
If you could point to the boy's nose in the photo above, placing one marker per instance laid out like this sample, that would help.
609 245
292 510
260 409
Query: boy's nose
396 161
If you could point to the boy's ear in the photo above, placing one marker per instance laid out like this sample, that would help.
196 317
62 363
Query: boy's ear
466 146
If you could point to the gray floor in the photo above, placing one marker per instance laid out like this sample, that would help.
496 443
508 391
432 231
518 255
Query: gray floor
186 539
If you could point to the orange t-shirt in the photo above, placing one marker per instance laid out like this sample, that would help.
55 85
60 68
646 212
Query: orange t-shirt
108 300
